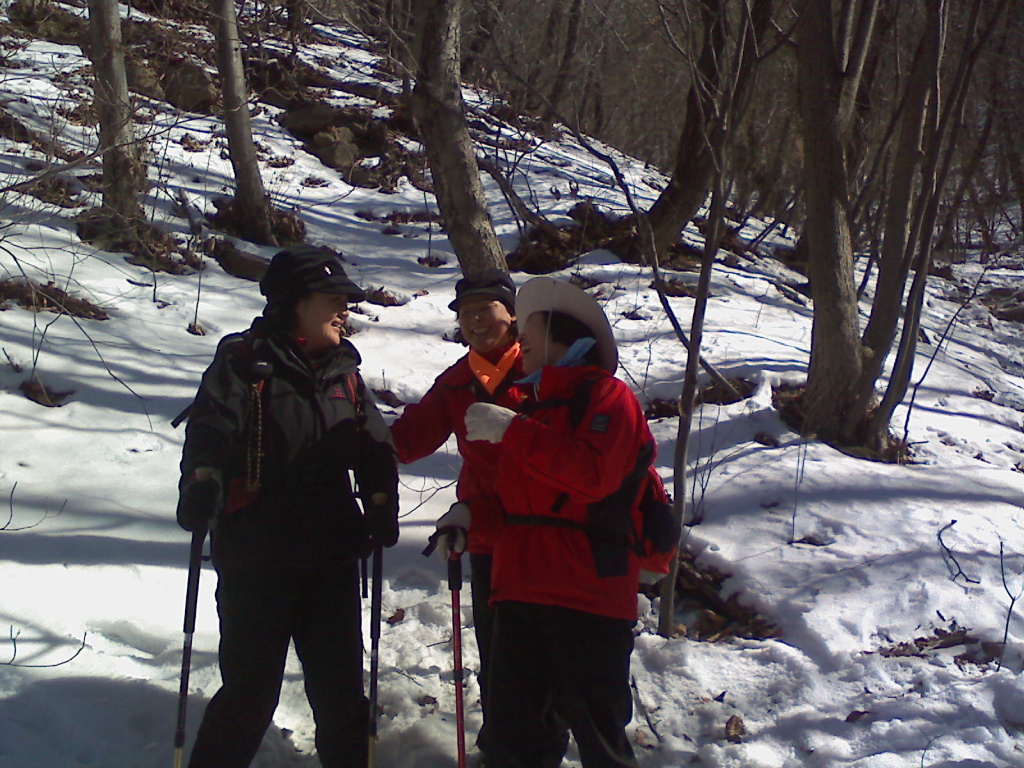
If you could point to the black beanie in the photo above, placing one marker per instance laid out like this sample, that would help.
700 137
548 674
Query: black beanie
491 282
302 269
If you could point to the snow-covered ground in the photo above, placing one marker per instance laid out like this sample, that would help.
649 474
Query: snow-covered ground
92 564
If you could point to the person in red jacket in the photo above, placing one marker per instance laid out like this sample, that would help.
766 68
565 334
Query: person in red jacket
485 306
565 571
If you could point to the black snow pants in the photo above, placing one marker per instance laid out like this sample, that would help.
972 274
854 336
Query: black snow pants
483 625
261 611
552 667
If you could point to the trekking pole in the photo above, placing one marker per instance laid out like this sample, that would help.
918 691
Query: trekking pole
375 601
455 585
195 562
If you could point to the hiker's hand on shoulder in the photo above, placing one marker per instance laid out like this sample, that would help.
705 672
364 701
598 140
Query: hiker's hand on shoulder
486 421
200 499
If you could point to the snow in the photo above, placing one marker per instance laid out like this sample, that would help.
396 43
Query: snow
93 565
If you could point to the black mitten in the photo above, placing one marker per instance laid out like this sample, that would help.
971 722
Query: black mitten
198 502
381 526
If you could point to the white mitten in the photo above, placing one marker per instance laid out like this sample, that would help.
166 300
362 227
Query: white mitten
485 421
451 530
650 578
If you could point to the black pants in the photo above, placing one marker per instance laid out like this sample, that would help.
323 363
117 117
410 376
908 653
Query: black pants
483 624
260 612
553 667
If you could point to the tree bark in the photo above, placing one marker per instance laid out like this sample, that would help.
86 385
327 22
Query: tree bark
715 102
835 362
251 206
441 117
688 396
563 77
694 161
904 187
123 173
945 121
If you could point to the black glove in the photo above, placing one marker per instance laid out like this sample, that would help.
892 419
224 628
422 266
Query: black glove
198 502
380 524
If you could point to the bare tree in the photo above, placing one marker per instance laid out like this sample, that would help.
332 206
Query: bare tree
441 118
830 64
722 76
252 209
123 173
840 403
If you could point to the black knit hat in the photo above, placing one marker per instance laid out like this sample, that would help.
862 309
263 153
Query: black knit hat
302 269
491 282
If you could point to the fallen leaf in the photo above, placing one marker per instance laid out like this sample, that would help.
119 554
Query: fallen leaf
734 729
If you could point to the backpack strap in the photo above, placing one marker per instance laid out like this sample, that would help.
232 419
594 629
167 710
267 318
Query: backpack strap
610 536
577 403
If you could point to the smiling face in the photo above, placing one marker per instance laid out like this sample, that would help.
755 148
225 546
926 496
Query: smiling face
320 320
485 323
537 347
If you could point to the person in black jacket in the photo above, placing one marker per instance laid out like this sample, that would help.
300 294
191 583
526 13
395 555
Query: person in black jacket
281 416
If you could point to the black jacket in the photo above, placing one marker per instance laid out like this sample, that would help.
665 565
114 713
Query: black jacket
318 421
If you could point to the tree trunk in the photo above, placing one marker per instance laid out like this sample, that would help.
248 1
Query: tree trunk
835 362
250 205
297 12
123 173
968 172
945 121
694 162
666 618
898 245
563 77
715 103
441 117
477 52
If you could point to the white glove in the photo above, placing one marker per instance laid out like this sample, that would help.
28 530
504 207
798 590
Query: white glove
452 527
485 421
650 578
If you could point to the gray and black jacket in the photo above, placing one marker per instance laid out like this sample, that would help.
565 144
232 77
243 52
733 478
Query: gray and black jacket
284 432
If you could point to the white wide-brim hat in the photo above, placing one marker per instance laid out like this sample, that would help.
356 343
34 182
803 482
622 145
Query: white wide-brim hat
545 294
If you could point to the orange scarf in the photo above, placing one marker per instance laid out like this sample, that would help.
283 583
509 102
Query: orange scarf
489 374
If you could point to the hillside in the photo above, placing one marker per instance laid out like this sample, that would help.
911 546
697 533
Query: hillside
880 627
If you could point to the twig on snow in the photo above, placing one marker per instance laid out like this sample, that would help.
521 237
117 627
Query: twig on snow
1009 611
950 559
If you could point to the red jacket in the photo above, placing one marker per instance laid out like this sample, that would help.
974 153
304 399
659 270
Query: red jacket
550 472
424 427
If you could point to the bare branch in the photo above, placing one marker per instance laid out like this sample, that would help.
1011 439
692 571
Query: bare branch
950 559
14 653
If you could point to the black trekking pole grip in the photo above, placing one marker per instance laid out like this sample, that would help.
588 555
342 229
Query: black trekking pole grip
455 583
455 571
195 563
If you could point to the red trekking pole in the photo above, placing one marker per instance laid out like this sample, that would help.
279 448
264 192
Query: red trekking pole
455 585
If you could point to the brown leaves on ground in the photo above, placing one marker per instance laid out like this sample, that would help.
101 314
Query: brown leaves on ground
145 245
735 730
388 397
711 617
286 226
48 298
383 298
38 392
550 248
